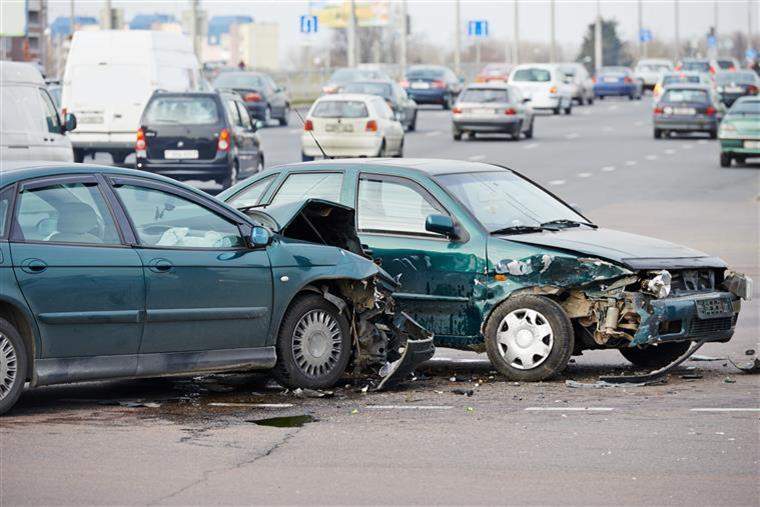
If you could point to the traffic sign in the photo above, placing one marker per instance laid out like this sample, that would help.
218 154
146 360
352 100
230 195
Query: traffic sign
309 24
477 28
645 35
712 41
751 54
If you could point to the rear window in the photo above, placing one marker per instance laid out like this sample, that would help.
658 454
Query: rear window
698 66
685 96
539 75
347 75
232 80
726 64
746 107
425 74
485 95
680 79
182 110
381 89
735 77
340 109
653 67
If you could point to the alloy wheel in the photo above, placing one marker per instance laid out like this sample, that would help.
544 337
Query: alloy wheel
8 366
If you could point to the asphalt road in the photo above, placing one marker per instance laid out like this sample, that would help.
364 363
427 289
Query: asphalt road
686 441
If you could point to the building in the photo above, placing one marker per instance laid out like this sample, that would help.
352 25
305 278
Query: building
29 47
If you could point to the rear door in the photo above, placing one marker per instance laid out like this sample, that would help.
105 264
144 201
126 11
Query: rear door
248 141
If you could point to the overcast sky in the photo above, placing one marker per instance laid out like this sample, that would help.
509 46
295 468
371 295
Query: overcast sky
435 18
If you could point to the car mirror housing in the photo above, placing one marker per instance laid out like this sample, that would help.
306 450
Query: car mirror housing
69 122
260 236
440 224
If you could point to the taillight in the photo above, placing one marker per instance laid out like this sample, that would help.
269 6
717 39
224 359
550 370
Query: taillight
658 110
252 97
308 125
510 111
752 89
627 80
553 89
712 69
140 144
593 79
371 126
456 110
439 84
679 66
224 140
404 83
710 111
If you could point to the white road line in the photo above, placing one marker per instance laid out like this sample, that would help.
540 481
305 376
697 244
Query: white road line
638 123
253 405
651 157
433 133
612 108
556 182
686 146
572 135
410 407
630 163
727 409
530 146
569 409
608 168
586 112
702 141
584 175
670 151
608 129
475 158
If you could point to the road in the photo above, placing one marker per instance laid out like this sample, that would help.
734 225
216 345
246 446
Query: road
686 441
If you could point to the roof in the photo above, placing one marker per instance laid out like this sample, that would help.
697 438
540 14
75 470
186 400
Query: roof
493 85
347 96
428 166
689 86
20 73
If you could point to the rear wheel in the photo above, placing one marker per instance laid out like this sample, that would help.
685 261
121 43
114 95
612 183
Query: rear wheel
590 101
516 133
569 108
119 157
413 124
13 365
529 132
267 116
657 133
557 109
655 356
601 97
457 135
232 176
741 160
725 160
285 117
78 155
631 96
714 133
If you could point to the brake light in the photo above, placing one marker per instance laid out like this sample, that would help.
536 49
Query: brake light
371 126
710 111
752 89
679 66
658 110
439 84
553 89
140 144
308 125
404 83
224 140
627 80
510 111
712 69
456 110
593 79
252 97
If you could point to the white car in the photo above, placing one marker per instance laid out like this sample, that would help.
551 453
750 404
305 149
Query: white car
650 70
351 125
545 85
581 84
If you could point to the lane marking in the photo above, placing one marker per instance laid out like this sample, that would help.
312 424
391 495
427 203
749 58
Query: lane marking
702 141
584 175
531 146
638 123
630 162
726 409
670 151
475 158
294 131
556 182
608 168
612 108
585 112
572 135
254 405
569 409
410 407
686 146
433 133
651 157
608 129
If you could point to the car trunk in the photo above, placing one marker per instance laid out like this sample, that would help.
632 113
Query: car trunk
342 126
182 141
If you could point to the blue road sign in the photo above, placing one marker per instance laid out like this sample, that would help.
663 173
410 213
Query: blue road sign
477 28
712 41
751 54
309 24
645 35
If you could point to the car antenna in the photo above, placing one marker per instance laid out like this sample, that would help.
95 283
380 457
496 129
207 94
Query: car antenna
310 132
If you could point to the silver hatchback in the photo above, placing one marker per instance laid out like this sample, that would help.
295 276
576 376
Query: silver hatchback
492 108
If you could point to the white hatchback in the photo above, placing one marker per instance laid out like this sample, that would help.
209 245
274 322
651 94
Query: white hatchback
351 125
545 85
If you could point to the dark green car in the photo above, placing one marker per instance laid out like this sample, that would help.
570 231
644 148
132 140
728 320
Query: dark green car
739 132
488 260
115 273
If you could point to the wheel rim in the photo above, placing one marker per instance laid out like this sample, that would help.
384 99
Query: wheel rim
525 339
259 166
317 343
8 366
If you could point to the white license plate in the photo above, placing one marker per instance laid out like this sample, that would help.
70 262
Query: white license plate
733 89
484 111
420 86
610 80
90 119
684 110
752 145
180 154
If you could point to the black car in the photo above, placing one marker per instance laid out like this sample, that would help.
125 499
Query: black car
432 84
198 136
264 99
732 85
403 107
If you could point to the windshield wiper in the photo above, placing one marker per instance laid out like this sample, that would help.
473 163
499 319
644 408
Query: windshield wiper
564 222
518 229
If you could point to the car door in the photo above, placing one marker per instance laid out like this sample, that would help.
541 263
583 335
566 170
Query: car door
438 275
205 288
59 146
83 284
253 143
242 137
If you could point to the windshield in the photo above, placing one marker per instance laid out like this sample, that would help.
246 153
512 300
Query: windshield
726 64
680 79
540 75
381 89
340 109
653 67
234 80
698 66
746 107
346 75
685 96
500 199
484 95
182 110
735 77
494 69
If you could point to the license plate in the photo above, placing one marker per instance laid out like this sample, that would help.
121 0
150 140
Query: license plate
337 127
714 308
684 110
420 86
90 119
752 145
733 89
610 80
484 111
180 154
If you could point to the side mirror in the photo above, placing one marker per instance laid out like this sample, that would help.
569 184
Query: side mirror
69 122
260 236
440 224
257 125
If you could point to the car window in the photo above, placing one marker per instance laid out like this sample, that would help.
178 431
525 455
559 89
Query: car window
538 75
340 109
5 203
163 219
485 95
736 77
392 206
680 79
382 89
66 213
685 96
52 121
22 109
182 111
233 80
244 116
232 113
746 107
251 195
309 185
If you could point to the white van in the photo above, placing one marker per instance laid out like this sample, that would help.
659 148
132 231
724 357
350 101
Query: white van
109 77
30 128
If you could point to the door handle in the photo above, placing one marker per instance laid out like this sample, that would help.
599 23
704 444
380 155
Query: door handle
33 266
367 250
160 265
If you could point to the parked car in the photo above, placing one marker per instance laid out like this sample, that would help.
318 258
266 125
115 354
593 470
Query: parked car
687 108
581 84
396 97
341 77
735 84
264 98
650 70
725 64
432 84
111 74
617 82
670 78
110 273
498 72
30 127
696 65
492 108
739 132
544 85
491 261
351 125
198 136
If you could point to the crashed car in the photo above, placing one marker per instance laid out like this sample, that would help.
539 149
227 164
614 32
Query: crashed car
490 261
115 273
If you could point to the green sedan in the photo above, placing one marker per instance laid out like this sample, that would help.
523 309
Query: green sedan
739 132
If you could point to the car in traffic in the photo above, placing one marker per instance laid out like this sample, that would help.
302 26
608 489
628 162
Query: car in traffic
110 273
265 99
489 108
696 65
432 84
351 125
198 136
498 72
725 64
739 132
490 261
30 126
396 97
649 71
732 85
671 78
346 75
544 85
617 82
580 82
686 108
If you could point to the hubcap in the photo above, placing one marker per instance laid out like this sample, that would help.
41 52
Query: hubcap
7 366
525 338
317 343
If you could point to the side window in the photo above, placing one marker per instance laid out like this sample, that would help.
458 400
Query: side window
163 219
66 213
251 195
232 112
52 121
393 206
244 116
305 185
5 204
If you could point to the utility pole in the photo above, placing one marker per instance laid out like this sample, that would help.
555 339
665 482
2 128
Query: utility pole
516 45
458 35
195 4
598 38
715 21
109 16
352 35
642 45
553 48
72 19
404 30
678 35
749 24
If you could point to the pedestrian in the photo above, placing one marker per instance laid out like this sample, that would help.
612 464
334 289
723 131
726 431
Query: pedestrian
241 65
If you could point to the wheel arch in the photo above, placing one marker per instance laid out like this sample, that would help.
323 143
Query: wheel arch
23 321
549 291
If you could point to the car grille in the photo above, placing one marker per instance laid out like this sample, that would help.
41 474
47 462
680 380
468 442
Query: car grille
706 326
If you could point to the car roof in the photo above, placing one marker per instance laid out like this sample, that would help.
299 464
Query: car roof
18 72
347 96
536 66
689 86
488 86
427 166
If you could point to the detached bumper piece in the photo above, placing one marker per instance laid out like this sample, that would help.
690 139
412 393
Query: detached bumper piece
419 348
654 375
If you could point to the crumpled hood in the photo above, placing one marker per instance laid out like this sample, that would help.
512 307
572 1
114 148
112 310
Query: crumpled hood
631 250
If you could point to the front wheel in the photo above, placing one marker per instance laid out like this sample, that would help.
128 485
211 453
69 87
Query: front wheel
657 133
655 356
569 108
714 134
529 132
13 364
529 338
78 155
413 124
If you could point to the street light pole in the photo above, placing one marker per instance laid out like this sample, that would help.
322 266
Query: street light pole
71 18
678 35
196 29
642 45
404 28
352 35
109 17
516 45
458 35
553 48
598 38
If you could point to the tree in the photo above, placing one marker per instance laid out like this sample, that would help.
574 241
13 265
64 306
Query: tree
614 51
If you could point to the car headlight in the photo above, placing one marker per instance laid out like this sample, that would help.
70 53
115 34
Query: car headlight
727 130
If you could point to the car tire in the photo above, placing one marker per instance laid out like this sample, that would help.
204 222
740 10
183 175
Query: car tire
446 105
383 151
285 116
741 160
569 108
557 110
552 347
516 134
413 124
457 135
655 356
78 155
267 116
590 101
118 157
657 134
232 175
529 132
725 160
313 344
13 365
714 134
601 97
259 164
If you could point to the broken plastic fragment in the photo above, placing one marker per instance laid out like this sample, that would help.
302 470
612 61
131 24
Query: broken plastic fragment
659 286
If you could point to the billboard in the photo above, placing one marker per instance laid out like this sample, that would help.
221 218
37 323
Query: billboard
368 13
13 18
